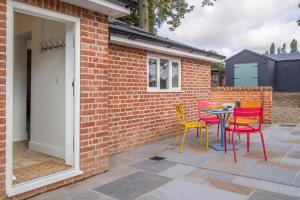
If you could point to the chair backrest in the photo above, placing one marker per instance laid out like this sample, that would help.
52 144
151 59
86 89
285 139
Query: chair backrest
180 113
250 104
201 105
248 113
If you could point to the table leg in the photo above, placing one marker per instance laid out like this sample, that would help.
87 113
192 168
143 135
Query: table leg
220 146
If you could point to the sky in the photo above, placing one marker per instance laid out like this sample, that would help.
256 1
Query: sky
233 25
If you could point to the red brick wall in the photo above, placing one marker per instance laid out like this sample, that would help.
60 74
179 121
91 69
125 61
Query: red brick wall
231 94
2 94
94 93
137 117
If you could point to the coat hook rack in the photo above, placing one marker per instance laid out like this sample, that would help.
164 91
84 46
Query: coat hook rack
52 44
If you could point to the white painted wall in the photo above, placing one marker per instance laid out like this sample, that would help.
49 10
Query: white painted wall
47 87
48 90
20 89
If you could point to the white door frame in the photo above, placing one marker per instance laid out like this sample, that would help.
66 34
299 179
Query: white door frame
42 181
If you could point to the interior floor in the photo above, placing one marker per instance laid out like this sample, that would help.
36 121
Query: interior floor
28 165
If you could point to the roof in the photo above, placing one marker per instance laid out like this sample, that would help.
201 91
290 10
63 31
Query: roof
274 57
134 33
129 2
248 51
285 56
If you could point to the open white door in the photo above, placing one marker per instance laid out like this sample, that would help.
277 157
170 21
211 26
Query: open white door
70 62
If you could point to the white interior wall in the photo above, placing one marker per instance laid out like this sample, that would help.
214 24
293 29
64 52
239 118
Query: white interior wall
20 88
47 90
47 87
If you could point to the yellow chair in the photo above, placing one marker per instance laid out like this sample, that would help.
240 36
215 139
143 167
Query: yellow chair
246 121
183 124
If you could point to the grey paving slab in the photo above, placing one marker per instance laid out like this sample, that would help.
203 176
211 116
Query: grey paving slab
189 158
265 195
154 166
297 180
182 190
90 195
133 186
296 133
204 173
294 154
279 188
269 173
177 171
153 149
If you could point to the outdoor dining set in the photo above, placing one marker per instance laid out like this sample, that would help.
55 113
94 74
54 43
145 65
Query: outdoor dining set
231 119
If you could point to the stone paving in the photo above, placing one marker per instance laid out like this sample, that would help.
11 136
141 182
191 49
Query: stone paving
196 173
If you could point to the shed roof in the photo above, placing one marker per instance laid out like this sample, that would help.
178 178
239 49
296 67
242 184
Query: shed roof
285 56
131 32
248 51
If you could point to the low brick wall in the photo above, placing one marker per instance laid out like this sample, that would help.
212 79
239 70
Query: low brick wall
232 94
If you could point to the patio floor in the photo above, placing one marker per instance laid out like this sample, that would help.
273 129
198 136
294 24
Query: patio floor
198 174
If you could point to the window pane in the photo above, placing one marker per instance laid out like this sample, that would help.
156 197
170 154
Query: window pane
152 73
175 75
164 74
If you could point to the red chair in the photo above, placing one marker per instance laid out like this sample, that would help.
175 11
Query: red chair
249 129
201 105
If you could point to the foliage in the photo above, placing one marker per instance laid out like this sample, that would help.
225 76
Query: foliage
278 50
272 48
171 12
294 46
163 11
299 18
283 49
220 65
266 53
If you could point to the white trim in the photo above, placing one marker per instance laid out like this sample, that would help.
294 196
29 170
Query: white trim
171 60
22 136
106 7
42 181
47 149
161 49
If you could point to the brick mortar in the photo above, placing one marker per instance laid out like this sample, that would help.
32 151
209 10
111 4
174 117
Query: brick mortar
94 93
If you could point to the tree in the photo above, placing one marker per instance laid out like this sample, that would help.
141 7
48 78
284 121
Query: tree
299 18
294 46
149 14
278 50
266 53
220 65
272 48
283 49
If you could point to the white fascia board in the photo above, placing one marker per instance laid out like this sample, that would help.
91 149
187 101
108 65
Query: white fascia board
161 49
106 7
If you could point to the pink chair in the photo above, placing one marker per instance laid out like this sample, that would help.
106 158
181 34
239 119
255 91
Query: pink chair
249 129
208 119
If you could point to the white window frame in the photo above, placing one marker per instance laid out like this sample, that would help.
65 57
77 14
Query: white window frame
171 60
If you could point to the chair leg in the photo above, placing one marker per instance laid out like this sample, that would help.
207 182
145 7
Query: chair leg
198 130
248 142
225 143
200 135
206 142
182 142
233 146
218 130
264 147
200 139
177 133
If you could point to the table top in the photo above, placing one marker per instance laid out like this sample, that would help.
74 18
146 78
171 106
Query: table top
218 111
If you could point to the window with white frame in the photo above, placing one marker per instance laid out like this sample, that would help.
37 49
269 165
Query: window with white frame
164 74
